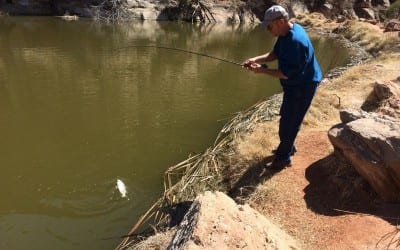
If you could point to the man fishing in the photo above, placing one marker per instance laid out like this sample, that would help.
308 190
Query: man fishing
299 74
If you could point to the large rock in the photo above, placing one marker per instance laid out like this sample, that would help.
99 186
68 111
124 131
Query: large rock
297 8
327 10
371 143
386 96
215 221
383 3
367 13
226 13
392 25
147 10
362 4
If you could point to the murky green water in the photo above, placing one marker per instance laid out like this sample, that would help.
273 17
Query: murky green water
76 114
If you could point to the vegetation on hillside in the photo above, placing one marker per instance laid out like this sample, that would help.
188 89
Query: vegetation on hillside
365 35
111 11
194 11
188 10
394 10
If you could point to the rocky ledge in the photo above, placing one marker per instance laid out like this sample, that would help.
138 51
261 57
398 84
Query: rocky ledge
370 141
248 11
215 221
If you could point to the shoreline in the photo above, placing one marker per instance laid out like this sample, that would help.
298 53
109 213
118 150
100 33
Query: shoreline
238 134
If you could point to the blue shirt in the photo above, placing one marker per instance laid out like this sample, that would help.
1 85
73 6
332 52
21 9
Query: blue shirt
296 58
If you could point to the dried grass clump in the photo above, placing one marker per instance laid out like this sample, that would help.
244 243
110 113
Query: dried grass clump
195 11
157 241
348 91
355 85
304 21
111 11
324 110
313 20
256 145
369 36
390 240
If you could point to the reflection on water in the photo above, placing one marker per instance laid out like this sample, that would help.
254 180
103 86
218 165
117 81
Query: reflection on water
77 113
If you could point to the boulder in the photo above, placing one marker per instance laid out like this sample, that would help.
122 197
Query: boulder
383 3
387 94
371 143
386 89
297 8
327 10
362 4
215 221
340 19
392 25
147 14
366 13
224 13
147 10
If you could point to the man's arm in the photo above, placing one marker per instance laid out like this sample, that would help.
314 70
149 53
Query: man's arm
254 65
268 57
257 68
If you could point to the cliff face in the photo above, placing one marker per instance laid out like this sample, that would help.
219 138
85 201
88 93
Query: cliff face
369 9
220 11
47 7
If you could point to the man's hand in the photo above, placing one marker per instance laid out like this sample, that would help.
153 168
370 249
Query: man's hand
248 63
255 67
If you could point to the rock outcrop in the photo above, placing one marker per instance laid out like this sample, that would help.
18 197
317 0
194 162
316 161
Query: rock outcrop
222 11
392 25
215 221
147 10
371 143
388 95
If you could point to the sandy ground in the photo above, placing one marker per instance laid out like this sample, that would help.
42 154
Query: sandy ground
310 202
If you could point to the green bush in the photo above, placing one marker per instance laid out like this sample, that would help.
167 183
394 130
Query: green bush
394 10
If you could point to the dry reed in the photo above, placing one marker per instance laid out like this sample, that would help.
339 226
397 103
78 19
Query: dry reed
392 239
201 172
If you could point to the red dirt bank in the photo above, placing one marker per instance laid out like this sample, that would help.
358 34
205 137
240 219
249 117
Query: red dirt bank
304 199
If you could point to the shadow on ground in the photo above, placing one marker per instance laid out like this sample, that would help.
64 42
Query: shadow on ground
250 179
335 188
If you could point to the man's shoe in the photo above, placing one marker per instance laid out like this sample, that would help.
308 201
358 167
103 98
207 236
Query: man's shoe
291 153
277 165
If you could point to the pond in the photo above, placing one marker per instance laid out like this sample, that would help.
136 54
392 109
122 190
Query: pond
77 113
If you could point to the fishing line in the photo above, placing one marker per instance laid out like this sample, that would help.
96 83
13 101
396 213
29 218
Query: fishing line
182 50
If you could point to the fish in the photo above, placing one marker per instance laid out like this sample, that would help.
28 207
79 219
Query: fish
121 188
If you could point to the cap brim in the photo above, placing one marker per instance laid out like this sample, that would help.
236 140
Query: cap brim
264 24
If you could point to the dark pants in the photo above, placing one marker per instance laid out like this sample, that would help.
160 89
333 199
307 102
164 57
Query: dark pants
296 101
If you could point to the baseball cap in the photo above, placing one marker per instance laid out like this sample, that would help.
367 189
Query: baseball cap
273 13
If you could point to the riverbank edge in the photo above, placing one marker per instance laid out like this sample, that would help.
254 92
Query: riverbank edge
237 130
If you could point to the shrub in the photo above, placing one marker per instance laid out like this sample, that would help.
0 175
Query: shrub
394 10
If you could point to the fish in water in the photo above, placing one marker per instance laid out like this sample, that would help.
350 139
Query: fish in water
121 188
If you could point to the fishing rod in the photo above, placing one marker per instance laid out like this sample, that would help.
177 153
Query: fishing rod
182 50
